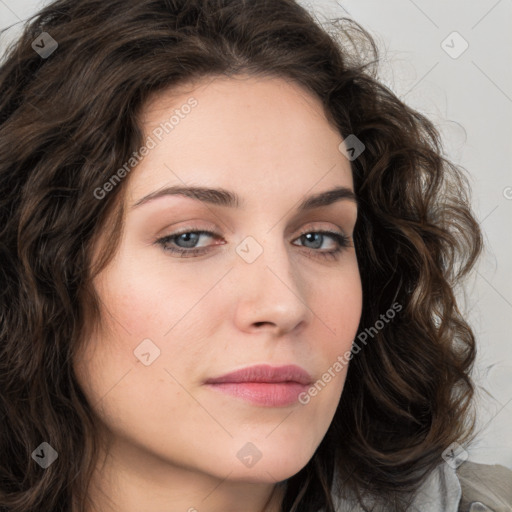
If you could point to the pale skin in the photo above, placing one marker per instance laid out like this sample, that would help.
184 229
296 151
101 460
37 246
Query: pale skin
173 441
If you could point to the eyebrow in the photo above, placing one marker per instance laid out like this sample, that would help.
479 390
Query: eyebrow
223 197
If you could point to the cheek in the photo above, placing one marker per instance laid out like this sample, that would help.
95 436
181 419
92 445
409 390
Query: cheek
140 302
339 306
146 302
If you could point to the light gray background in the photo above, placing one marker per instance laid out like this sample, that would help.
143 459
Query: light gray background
470 100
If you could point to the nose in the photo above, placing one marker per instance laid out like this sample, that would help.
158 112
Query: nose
270 293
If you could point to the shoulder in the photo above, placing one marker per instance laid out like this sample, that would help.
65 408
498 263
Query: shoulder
485 488
471 487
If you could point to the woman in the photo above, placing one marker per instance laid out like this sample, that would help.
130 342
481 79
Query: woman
229 266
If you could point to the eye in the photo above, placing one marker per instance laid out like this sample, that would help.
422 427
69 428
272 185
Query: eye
313 240
188 240
184 243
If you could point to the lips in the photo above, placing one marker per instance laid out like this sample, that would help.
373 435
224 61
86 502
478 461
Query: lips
265 373
264 385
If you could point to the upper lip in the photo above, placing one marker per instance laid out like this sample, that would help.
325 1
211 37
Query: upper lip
265 373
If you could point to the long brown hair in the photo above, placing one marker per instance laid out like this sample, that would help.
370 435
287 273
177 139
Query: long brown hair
69 121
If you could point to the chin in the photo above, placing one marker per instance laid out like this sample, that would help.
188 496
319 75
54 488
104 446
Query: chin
275 465
266 474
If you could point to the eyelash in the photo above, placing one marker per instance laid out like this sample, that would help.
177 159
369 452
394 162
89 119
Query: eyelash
343 242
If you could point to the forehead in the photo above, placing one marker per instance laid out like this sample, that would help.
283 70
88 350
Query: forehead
241 132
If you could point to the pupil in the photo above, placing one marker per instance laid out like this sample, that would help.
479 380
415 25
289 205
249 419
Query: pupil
188 238
318 242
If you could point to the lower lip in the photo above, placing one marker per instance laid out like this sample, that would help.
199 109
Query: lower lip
269 394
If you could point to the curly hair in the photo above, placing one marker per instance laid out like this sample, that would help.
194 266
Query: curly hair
68 121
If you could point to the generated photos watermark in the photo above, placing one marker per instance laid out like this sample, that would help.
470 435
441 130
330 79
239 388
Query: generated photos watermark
342 360
152 141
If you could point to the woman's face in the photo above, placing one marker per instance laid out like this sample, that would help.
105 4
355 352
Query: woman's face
259 290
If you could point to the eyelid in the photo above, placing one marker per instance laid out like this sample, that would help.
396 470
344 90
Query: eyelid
318 225
341 240
309 227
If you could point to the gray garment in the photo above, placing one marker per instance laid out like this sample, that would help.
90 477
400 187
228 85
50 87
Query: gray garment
485 488
469 488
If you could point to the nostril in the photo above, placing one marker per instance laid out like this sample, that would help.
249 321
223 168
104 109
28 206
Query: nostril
258 324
